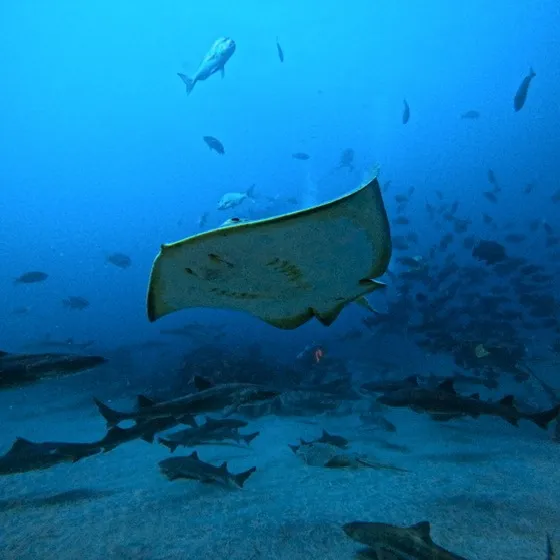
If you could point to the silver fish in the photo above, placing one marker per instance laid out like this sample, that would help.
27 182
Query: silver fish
214 60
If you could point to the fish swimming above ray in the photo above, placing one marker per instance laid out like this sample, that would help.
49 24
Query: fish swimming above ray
18 370
284 270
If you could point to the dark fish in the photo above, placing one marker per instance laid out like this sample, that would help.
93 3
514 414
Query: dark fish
556 196
280 51
401 220
529 188
191 467
550 554
470 115
210 432
406 112
214 144
76 302
17 370
25 456
145 431
227 396
119 259
31 277
444 401
521 95
414 542
490 252
490 196
493 181
300 155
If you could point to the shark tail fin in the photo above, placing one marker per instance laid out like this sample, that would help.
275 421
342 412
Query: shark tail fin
543 419
112 417
188 419
294 448
512 421
241 478
189 83
148 437
171 445
202 383
250 437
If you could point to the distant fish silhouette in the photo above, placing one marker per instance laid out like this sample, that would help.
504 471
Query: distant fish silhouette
521 95
470 115
214 144
300 155
119 259
280 51
406 113
31 277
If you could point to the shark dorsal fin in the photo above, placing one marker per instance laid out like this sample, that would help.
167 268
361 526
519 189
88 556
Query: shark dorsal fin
326 434
194 455
2 353
423 529
508 400
201 383
20 444
447 386
144 402
210 421
223 467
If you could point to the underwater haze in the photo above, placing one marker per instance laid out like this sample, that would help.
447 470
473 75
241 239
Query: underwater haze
125 126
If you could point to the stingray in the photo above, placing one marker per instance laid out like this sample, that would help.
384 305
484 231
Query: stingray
284 270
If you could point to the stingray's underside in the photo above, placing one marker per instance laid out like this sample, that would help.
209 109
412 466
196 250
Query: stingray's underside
286 269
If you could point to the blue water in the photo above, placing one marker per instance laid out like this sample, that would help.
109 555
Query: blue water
101 149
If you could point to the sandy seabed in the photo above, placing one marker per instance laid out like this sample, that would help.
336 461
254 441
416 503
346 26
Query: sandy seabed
491 491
